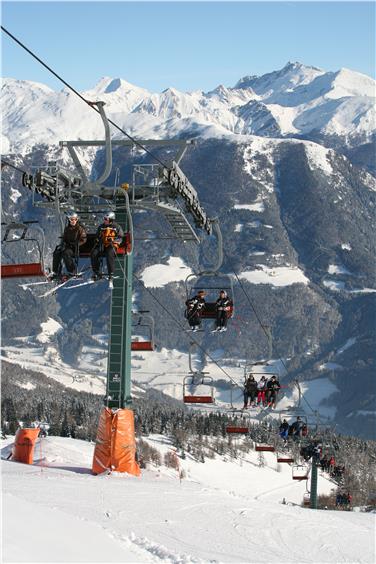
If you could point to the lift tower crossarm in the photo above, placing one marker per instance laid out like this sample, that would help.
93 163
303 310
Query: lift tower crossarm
176 178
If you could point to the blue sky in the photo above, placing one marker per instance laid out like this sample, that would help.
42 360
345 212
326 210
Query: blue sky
187 45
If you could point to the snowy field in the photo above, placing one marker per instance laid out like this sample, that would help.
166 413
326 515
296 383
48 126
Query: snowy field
163 370
222 511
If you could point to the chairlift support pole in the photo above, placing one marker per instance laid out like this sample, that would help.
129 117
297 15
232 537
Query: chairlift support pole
118 392
313 502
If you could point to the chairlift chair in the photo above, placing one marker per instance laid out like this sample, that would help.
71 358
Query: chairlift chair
241 428
306 499
198 379
210 310
300 472
147 322
305 426
28 269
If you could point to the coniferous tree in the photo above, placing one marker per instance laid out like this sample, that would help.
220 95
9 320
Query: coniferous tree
65 429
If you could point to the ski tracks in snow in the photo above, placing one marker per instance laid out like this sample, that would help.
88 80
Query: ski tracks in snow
154 552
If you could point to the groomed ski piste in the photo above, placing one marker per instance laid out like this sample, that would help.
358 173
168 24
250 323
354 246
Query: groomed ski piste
222 510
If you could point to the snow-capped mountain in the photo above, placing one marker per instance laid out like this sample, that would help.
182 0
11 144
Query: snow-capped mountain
297 100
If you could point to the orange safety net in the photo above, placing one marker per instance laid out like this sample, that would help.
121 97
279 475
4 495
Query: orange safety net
115 447
23 449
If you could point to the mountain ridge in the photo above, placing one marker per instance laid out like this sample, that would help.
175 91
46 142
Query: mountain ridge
297 100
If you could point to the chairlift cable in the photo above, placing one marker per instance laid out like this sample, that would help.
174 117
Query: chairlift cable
6 163
90 104
309 405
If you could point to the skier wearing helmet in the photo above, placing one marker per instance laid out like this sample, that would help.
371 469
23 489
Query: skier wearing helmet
108 238
68 250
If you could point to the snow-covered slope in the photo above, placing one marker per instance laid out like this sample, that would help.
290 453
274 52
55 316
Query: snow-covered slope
222 511
296 100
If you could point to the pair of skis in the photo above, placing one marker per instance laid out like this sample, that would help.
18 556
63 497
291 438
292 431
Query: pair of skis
65 282
87 282
50 281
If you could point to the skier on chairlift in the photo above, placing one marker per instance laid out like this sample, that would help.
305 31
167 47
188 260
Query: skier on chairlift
108 238
222 308
194 308
261 390
297 427
273 386
68 250
284 430
250 391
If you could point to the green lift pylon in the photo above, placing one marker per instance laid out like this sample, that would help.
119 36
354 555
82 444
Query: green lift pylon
313 501
118 392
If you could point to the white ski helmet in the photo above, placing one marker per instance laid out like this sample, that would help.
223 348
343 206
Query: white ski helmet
110 216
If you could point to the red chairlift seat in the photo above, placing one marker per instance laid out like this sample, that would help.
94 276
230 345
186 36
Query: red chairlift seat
142 346
198 399
237 430
264 448
24 270
241 423
197 379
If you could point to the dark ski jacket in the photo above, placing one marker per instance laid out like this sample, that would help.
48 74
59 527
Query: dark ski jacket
74 235
273 385
223 304
284 426
297 426
195 306
251 385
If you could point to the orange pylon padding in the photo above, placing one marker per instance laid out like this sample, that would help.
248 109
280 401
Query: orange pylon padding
115 447
23 449
102 451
